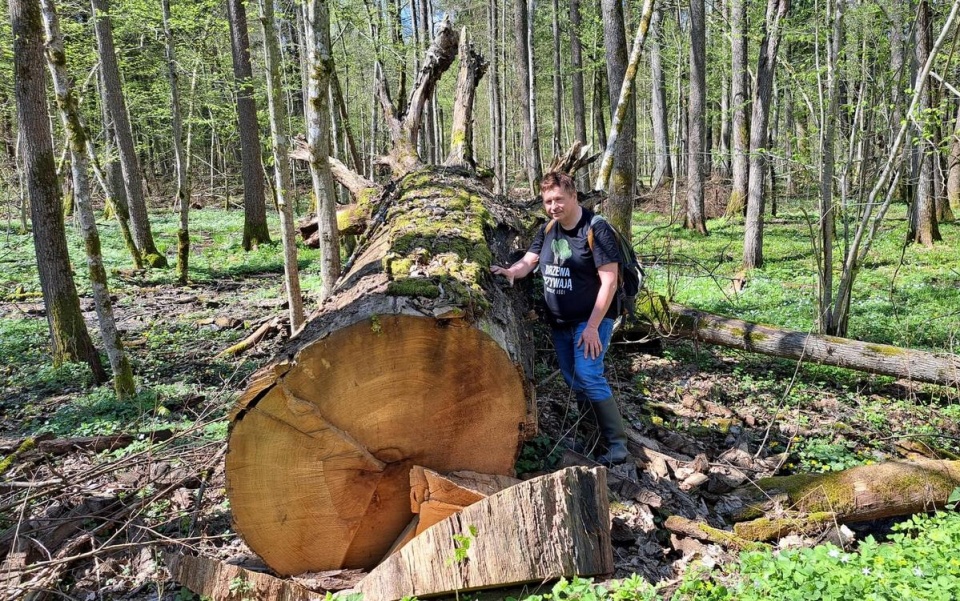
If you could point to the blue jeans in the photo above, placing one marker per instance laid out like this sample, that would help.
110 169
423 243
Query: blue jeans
582 374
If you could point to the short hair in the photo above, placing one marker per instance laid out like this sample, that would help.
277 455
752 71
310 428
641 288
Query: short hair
558 179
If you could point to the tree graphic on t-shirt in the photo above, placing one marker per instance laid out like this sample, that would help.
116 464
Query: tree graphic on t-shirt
561 250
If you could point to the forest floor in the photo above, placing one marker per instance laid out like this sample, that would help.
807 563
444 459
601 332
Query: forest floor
101 518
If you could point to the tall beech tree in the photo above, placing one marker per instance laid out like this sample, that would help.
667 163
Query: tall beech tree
696 131
70 340
254 207
116 104
179 154
663 166
316 18
527 92
924 228
123 382
623 175
740 166
759 134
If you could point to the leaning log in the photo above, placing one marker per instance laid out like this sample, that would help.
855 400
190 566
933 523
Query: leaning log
859 494
419 358
552 526
673 320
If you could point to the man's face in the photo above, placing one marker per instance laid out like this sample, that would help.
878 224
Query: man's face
559 204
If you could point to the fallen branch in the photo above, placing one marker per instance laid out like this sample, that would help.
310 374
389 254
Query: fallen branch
700 531
266 329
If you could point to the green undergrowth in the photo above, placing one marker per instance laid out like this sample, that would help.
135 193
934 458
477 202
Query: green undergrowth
906 296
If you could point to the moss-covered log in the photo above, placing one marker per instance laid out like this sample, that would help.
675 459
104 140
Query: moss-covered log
419 358
673 320
867 492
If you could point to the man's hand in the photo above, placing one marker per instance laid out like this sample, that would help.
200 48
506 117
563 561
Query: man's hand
504 271
590 341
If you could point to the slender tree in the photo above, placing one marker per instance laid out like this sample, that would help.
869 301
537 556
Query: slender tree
740 165
759 134
320 65
623 175
281 165
254 205
123 381
924 228
953 163
70 340
663 167
696 134
578 98
179 156
526 91
115 102
496 113
557 83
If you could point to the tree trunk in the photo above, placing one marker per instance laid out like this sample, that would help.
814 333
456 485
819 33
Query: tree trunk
320 65
557 83
255 230
677 321
663 171
322 442
859 494
472 68
281 166
179 156
70 340
825 322
577 90
766 65
496 113
618 207
953 165
526 91
553 526
123 382
923 215
129 164
696 134
741 99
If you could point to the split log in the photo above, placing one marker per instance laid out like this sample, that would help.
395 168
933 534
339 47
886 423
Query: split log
552 526
673 320
863 493
472 68
435 497
215 580
419 358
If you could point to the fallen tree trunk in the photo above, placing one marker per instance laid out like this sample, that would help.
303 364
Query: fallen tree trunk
863 493
672 320
552 526
419 358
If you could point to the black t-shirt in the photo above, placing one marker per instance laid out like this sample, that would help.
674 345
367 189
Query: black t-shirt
571 281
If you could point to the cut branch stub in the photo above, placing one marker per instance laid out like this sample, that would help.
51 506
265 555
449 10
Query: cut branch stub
418 359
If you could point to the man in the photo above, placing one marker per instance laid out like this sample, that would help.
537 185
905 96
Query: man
579 287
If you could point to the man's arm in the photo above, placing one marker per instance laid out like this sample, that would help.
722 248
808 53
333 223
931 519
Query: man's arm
590 339
521 268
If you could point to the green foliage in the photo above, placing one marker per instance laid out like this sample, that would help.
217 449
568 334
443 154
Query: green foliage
633 588
461 545
823 455
918 562
537 454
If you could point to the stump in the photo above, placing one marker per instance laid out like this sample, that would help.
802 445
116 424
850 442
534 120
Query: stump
418 359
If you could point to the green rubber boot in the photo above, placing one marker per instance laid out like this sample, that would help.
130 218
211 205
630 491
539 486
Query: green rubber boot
611 428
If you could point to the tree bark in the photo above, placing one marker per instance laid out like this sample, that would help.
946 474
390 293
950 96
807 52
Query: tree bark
129 164
418 358
924 228
557 83
215 580
179 155
255 230
123 382
578 96
526 91
472 68
741 99
320 65
69 338
496 112
281 166
953 164
539 530
759 136
673 320
825 322
696 134
663 171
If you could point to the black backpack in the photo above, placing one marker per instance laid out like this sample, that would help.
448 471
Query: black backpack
630 272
